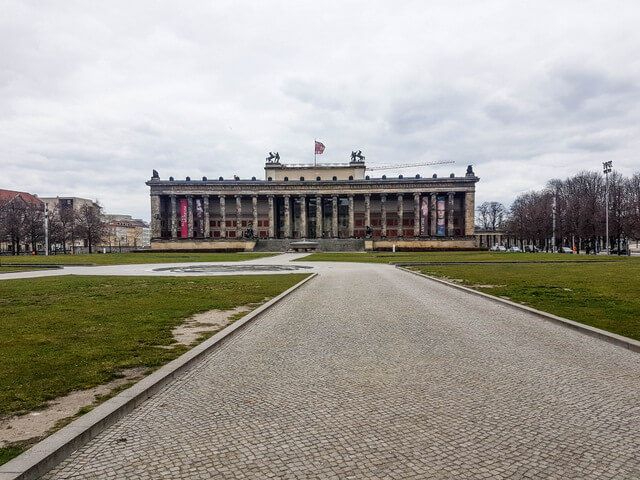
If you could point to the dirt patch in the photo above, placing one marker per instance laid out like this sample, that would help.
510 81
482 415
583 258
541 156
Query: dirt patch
212 321
36 424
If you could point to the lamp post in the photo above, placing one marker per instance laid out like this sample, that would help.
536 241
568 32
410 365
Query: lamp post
606 168
46 229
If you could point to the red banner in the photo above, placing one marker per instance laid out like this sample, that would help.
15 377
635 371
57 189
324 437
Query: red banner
184 221
319 147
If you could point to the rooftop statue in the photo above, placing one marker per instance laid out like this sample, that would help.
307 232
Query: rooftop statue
273 157
155 174
357 156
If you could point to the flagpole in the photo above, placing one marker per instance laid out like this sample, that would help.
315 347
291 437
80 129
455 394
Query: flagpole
315 153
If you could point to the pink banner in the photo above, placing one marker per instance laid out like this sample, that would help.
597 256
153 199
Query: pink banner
184 221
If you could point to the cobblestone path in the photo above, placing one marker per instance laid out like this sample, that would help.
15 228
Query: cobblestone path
369 372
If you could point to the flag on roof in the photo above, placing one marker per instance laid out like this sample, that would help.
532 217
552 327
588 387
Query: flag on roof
319 147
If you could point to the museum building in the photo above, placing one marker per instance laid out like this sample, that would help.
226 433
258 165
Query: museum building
330 206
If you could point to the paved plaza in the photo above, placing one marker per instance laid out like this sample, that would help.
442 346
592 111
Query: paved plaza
370 372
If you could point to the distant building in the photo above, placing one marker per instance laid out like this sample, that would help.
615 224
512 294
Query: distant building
73 203
125 231
336 206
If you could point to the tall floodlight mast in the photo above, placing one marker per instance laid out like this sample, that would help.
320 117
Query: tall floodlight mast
606 168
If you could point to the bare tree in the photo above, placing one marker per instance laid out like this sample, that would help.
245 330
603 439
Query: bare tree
491 215
12 214
33 225
91 227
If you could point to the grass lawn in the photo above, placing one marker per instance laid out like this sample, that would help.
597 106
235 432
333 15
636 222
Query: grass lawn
481 256
123 258
603 295
4 269
60 334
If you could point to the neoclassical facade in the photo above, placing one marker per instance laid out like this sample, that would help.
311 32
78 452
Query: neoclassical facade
308 202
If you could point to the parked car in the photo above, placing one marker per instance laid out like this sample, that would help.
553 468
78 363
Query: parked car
531 248
619 251
515 249
498 248
565 250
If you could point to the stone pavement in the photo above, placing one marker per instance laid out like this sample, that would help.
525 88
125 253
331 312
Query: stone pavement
371 372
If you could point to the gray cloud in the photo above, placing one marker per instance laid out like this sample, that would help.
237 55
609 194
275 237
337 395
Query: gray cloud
94 96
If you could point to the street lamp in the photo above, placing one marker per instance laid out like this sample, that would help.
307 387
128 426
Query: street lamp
606 168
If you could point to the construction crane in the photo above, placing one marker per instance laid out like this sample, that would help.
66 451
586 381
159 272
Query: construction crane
408 165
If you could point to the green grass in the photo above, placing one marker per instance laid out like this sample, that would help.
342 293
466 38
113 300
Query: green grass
124 258
9 452
60 334
4 269
478 256
603 295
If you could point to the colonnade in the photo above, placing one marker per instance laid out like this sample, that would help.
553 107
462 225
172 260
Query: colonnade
169 220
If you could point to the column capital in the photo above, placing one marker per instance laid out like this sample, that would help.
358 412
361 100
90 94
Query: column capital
238 195
254 195
383 197
271 195
400 195
189 196
287 195
172 196
221 196
367 195
205 195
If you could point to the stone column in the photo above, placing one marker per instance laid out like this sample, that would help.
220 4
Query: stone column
433 215
174 225
450 214
469 213
223 217
334 216
400 214
190 216
367 209
351 216
303 216
254 207
272 227
416 214
238 216
383 214
156 226
319 227
207 219
287 216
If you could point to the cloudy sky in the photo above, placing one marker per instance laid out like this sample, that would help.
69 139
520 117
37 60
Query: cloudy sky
94 95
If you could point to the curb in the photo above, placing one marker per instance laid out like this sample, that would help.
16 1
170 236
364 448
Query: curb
46 454
618 340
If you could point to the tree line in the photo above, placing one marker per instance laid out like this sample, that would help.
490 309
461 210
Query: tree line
22 227
580 212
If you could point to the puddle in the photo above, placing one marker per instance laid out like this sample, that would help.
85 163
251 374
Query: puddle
33 425
232 268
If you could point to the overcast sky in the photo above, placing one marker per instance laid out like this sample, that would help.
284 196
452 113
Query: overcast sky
94 95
